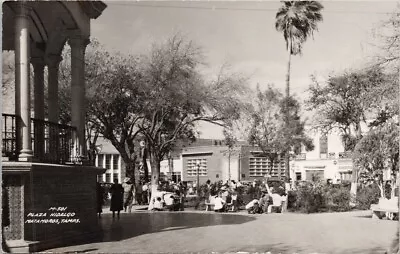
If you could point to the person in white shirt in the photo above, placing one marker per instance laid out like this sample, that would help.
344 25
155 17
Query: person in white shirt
234 201
219 204
252 206
169 201
158 204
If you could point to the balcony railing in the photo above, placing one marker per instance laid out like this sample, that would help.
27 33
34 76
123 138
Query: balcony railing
51 142
345 155
301 156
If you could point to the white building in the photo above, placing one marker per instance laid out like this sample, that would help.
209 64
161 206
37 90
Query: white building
328 160
109 158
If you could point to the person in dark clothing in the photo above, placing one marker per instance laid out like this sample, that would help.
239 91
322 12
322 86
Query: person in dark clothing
100 198
117 195
5 220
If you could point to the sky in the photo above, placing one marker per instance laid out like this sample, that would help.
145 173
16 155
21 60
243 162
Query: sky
242 35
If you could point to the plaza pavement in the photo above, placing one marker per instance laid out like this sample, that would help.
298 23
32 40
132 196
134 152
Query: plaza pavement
205 232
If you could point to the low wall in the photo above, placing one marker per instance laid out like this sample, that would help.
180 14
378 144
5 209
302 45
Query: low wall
50 202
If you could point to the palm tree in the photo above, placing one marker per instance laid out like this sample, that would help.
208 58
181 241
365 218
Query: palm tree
297 20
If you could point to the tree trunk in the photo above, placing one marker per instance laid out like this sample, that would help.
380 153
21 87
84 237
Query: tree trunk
144 163
287 173
155 176
170 165
382 190
130 170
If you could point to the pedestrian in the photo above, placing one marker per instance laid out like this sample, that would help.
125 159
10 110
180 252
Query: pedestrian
139 193
144 194
235 205
100 198
117 194
128 194
5 218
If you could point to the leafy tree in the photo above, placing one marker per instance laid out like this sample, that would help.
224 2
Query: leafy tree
349 100
113 100
178 97
388 42
377 153
269 130
346 101
230 142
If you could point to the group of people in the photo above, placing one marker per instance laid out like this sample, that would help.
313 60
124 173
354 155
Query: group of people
170 201
259 205
122 196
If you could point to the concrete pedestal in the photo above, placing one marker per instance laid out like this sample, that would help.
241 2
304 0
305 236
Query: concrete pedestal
50 205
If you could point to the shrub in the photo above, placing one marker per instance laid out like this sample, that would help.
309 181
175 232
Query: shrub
337 198
292 197
367 195
313 197
309 197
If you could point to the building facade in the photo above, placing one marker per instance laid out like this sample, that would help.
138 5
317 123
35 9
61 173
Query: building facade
328 160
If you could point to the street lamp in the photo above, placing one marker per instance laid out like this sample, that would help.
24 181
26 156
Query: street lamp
198 178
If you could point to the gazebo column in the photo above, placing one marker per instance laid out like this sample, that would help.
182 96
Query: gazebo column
38 67
22 86
78 45
53 62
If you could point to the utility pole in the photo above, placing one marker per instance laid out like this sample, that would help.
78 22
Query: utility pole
198 179
229 164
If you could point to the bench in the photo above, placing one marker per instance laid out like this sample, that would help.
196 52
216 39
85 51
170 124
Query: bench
385 208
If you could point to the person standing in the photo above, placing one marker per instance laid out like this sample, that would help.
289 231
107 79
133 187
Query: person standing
5 220
117 202
100 198
144 194
128 193
139 194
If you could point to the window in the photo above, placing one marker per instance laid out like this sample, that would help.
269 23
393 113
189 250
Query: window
100 160
345 176
108 178
108 161
192 165
99 178
312 175
115 177
176 177
115 162
298 176
323 146
260 166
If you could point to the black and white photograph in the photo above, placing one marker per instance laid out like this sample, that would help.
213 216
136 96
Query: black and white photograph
200 127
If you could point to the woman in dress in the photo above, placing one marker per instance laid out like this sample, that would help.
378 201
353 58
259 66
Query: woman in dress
100 198
117 193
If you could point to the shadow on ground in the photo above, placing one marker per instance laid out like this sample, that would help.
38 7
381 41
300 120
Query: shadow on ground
140 223
131 225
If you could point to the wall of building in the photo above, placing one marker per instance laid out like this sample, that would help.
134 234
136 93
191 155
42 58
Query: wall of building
214 160
327 160
253 166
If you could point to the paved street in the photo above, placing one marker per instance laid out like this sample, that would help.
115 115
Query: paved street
157 232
